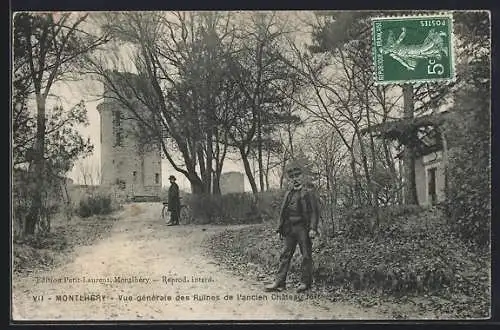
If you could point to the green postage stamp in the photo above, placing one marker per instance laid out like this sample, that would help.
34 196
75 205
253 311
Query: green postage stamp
413 49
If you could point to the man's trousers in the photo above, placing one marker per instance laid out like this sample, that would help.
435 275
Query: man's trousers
174 217
297 233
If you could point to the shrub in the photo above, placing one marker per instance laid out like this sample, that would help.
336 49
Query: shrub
414 257
269 203
235 208
20 211
52 200
32 253
94 204
468 198
84 209
363 222
401 262
223 209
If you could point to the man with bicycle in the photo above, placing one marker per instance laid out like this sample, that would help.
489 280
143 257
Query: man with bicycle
174 202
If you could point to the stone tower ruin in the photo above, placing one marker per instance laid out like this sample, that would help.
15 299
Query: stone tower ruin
232 183
125 164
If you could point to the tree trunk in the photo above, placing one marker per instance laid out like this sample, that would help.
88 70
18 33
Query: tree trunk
373 186
409 153
216 176
260 161
357 192
37 169
365 166
392 168
328 177
282 174
219 161
445 162
248 171
67 210
208 164
268 160
197 186
290 139
216 183
201 164
331 203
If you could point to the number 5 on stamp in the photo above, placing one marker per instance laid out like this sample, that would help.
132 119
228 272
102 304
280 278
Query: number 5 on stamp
413 49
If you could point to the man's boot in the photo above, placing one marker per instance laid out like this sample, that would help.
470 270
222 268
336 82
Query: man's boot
303 287
276 286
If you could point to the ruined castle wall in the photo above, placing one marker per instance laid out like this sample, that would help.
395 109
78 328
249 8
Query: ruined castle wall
122 163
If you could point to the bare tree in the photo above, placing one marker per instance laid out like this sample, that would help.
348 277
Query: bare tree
328 155
89 172
261 77
182 93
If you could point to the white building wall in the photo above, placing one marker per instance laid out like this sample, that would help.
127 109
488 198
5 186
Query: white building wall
420 181
433 160
108 173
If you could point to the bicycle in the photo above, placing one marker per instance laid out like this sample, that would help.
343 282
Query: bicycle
183 212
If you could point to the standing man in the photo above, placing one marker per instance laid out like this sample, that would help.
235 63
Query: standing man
298 224
174 202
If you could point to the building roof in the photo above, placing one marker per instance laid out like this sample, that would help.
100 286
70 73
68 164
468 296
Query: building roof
422 133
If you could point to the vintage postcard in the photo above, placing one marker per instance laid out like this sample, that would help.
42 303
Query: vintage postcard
250 165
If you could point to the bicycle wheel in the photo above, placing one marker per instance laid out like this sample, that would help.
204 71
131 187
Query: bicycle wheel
164 212
185 215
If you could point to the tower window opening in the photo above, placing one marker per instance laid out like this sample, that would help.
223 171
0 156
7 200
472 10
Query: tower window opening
157 178
121 184
134 173
117 128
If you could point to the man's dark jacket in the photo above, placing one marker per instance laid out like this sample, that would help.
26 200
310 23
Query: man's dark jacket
309 208
174 203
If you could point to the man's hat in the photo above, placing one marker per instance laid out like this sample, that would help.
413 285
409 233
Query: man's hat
171 177
294 165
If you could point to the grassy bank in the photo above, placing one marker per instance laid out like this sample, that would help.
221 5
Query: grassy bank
54 248
413 264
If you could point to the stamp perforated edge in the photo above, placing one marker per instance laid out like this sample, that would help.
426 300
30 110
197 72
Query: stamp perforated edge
447 14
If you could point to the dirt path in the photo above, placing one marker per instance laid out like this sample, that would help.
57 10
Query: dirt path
141 248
